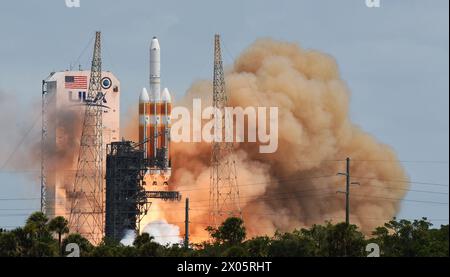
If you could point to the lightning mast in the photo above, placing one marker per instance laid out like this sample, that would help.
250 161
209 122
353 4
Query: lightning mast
224 190
87 205
43 151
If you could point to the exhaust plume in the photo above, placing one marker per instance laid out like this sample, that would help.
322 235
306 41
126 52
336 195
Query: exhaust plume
297 185
163 232
160 230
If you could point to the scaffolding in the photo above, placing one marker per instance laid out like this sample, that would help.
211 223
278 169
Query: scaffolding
127 201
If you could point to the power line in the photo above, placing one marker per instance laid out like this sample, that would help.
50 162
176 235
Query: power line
17 210
287 180
403 181
331 194
18 199
277 214
407 189
298 161
287 192
400 161
266 183
398 199
24 137
85 49
195 208
15 149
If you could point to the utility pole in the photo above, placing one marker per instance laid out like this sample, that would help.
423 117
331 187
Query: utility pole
186 225
347 190
347 193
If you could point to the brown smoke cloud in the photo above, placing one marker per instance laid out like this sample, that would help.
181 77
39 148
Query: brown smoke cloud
297 185
63 155
24 135
20 146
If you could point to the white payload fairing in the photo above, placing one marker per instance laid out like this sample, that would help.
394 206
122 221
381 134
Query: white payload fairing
155 109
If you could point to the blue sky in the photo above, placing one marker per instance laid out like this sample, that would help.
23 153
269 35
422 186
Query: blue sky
393 58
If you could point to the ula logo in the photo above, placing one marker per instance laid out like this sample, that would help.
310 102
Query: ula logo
82 97
373 3
73 3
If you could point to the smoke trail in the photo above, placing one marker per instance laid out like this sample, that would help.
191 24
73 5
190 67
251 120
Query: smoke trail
296 186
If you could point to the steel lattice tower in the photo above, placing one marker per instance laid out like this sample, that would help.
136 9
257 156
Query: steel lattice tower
43 146
224 190
87 205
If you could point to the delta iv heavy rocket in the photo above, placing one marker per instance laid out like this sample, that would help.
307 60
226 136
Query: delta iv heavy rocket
155 109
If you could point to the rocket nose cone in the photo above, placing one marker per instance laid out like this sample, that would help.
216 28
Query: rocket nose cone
166 96
144 97
155 44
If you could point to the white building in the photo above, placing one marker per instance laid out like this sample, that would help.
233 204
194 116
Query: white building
64 93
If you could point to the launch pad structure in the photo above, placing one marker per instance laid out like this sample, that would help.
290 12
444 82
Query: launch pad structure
106 194
100 209
127 201
124 201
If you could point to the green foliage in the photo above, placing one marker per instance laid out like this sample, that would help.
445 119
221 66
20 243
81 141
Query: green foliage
60 226
178 250
235 251
85 246
207 249
35 238
258 247
319 241
290 245
231 231
36 225
412 239
9 245
146 247
401 238
142 239
112 248
344 240
150 249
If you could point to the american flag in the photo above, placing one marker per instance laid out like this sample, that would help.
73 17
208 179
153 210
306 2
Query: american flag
76 82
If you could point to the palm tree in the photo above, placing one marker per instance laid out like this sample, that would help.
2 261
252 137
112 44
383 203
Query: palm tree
59 225
36 225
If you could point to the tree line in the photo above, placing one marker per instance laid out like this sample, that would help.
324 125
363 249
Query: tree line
41 237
